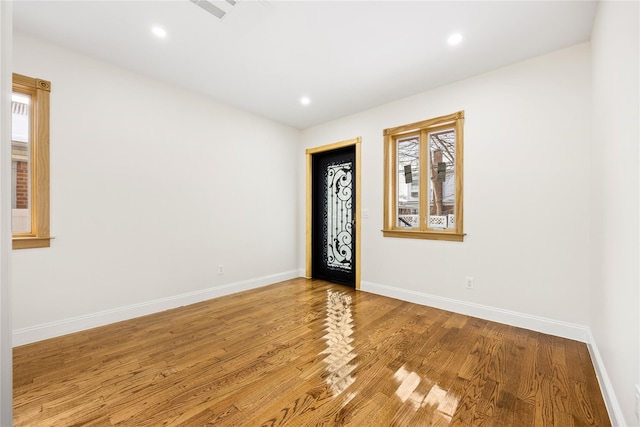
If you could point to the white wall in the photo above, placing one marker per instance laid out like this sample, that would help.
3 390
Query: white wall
526 176
614 295
151 189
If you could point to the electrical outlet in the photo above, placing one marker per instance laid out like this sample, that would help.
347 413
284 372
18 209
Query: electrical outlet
468 282
221 269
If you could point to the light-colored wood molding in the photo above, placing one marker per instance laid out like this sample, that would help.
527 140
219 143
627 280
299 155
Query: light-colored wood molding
389 206
39 90
425 235
425 124
460 173
43 85
41 164
308 224
356 142
425 177
31 242
390 228
358 147
19 79
334 146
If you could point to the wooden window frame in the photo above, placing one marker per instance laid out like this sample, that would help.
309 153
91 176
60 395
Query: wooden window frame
39 237
390 228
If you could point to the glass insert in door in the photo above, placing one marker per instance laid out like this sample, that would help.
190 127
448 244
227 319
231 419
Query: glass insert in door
338 216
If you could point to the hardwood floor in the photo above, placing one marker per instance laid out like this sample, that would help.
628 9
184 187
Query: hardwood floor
306 353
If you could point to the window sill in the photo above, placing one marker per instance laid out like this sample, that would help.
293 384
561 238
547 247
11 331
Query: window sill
426 235
31 242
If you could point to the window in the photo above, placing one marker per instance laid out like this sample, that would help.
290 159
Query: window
30 162
423 179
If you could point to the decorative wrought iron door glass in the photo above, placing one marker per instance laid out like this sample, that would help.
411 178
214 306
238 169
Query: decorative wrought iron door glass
338 216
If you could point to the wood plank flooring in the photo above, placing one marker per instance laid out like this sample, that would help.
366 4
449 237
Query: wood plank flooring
306 353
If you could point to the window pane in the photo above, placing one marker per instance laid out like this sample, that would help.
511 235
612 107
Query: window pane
442 185
408 202
20 161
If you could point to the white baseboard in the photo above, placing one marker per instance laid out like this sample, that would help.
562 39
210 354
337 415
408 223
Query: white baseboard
75 324
513 318
610 400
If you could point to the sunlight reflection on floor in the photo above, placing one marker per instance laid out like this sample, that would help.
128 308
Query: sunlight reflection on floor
339 327
406 392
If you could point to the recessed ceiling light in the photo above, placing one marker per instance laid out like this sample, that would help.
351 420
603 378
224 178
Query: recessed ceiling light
455 39
305 100
159 32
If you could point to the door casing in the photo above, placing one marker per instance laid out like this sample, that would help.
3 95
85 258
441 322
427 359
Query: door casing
356 142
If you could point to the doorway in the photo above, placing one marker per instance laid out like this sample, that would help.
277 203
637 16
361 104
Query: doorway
333 213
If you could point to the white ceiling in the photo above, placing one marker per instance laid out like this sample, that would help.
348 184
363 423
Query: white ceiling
263 56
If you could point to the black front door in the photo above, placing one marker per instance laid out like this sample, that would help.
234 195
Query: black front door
333 216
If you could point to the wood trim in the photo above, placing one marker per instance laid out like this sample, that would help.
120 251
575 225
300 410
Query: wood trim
389 206
459 174
390 228
425 177
308 208
426 235
358 148
334 146
309 153
425 124
31 242
19 79
39 163
393 174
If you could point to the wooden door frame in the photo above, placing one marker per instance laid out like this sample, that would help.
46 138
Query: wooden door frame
355 142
